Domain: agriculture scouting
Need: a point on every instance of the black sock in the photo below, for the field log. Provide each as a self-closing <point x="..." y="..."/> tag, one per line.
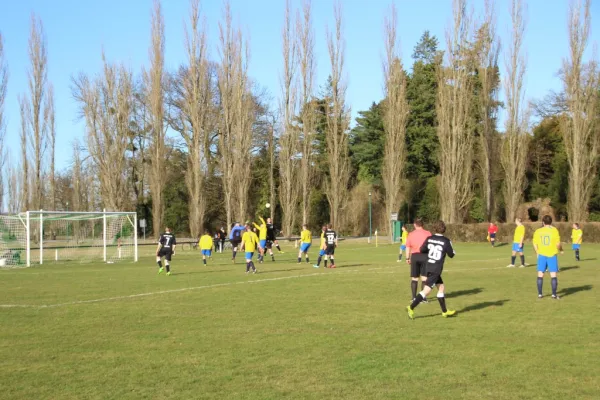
<point x="523" y="260"/>
<point x="399" y="256"/>
<point x="159" y="264"/>
<point x="554" y="283"/>
<point x="319" y="260"/>
<point x="299" y="260"/>
<point x="272" y="257"/>
<point x="413" y="287"/>
<point x="442" y="301"/>
<point x="247" y="266"/>
<point x="332" y="261"/>
<point x="512" y="260"/>
<point x="234" y="254"/>
<point x="278" y="248"/>
<point x="416" y="301"/>
<point x="325" y="263"/>
<point x="307" y="260"/>
<point x="577" y="255"/>
<point x="204" y="261"/>
<point x="252" y="265"/>
<point x="168" y="266"/>
<point x="540" y="284"/>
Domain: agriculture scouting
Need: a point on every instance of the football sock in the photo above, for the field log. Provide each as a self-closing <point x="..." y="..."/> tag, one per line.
<point x="204" y="261"/>
<point x="416" y="301"/>
<point x="272" y="257"/>
<point x="159" y="264"/>
<point x="319" y="260"/>
<point x="307" y="260"/>
<point x="247" y="266"/>
<point x="577" y="255"/>
<point x="442" y="300"/>
<point x="540" y="284"/>
<point x="512" y="260"/>
<point x="325" y="263"/>
<point x="554" y="283"/>
<point x="413" y="287"/>
<point x="168" y="266"/>
<point x="234" y="254"/>
<point x="299" y="260"/>
<point x="252" y="265"/>
<point x="399" y="256"/>
<point x="278" y="248"/>
<point x="522" y="260"/>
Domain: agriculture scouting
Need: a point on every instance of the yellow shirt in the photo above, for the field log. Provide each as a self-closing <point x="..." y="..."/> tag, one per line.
<point x="547" y="240"/>
<point x="577" y="236"/>
<point x="519" y="234"/>
<point x="404" y="236"/>
<point x="250" y="241"/>
<point x="305" y="236"/>
<point x="206" y="242"/>
<point x="322" y="239"/>
<point x="262" y="229"/>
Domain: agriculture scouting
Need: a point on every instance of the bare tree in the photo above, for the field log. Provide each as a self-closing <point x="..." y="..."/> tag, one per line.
<point x="338" y="122"/>
<point x="580" y="124"/>
<point x="487" y="49"/>
<point x="289" y="139"/>
<point x="236" y="117"/>
<point x="106" y="105"/>
<point x="77" y="200"/>
<point x="14" y="185"/>
<point x="3" y="153"/>
<point x="306" y="48"/>
<point x="24" y="185"/>
<point x="155" y="99"/>
<point x="192" y="104"/>
<point x="514" y="152"/>
<point x="49" y="116"/>
<point x="37" y="117"/>
<point x="455" y="128"/>
<point x="395" y="115"/>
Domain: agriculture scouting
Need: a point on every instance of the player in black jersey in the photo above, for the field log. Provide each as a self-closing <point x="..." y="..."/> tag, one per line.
<point x="271" y="238"/>
<point x="437" y="247"/>
<point x="331" y="242"/>
<point x="166" y="249"/>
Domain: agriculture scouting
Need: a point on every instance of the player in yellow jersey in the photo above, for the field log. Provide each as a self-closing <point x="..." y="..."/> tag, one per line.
<point x="262" y="237"/>
<point x="517" y="246"/>
<point x="322" y="247"/>
<point x="249" y="245"/>
<point x="305" y="243"/>
<point x="546" y="242"/>
<point x="206" y="246"/>
<point x="403" y="242"/>
<point x="577" y="238"/>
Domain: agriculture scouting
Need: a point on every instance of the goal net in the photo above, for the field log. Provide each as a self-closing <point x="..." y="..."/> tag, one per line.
<point x="38" y="237"/>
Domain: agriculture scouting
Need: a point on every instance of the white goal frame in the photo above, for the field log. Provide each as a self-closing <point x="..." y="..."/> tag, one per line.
<point x="34" y="220"/>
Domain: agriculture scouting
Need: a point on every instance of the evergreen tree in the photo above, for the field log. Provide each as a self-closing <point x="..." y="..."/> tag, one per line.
<point x="366" y="145"/>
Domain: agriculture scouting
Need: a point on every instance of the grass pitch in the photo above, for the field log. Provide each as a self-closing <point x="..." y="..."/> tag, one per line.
<point x="120" y="331"/>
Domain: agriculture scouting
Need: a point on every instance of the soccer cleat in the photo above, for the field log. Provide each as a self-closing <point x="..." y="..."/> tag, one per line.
<point x="160" y="270"/>
<point x="398" y="260"/>
<point x="510" y="266"/>
<point x="522" y="266"/>
<point x="448" y="313"/>
<point x="425" y="300"/>
<point x="169" y="273"/>
<point x="555" y="297"/>
<point x="315" y="266"/>
<point x="255" y="271"/>
<point x="540" y="296"/>
<point x="411" y="312"/>
<point x="332" y="266"/>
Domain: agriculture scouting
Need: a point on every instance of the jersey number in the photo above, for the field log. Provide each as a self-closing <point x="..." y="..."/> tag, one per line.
<point x="330" y="238"/>
<point x="168" y="241"/>
<point x="435" y="252"/>
<point x="546" y="240"/>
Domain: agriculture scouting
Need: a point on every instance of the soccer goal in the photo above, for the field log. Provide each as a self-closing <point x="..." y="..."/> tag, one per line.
<point x="38" y="237"/>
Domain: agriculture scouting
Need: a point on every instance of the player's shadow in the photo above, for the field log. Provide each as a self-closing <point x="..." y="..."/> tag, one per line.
<point x="575" y="289"/>
<point x="482" y="305"/>
<point x="588" y="259"/>
<point x="501" y="244"/>
<point x="270" y="271"/>
<point x="568" y="268"/>
<point x="467" y="292"/>
<point x="349" y="266"/>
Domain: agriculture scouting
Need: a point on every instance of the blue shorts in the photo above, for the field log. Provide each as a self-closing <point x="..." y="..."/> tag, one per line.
<point x="549" y="264"/>
<point x="263" y="244"/>
<point x="576" y="246"/>
<point x="402" y="247"/>
<point x="517" y="247"/>
<point x="249" y="255"/>
<point x="304" y="247"/>
<point x="492" y="236"/>
<point x="321" y="253"/>
<point x="206" y="252"/>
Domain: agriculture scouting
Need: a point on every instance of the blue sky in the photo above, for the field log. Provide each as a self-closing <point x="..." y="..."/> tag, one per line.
<point x="78" y="30"/>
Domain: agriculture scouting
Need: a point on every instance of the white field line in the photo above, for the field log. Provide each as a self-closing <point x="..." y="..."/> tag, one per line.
<point x="133" y="296"/>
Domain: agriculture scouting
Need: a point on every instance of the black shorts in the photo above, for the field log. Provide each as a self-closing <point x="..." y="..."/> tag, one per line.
<point x="269" y="244"/>
<point x="492" y="236"/>
<point x="166" y="253"/>
<point x="330" y="250"/>
<point x="235" y="243"/>
<point x="434" y="278"/>
<point x="418" y="265"/>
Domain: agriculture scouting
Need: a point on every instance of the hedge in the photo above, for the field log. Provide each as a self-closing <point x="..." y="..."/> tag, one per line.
<point x="478" y="232"/>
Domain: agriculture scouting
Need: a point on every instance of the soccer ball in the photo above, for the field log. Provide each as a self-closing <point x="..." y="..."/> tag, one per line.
<point x="268" y="205"/>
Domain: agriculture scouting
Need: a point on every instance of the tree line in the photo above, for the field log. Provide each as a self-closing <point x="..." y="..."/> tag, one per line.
<point x="203" y="146"/>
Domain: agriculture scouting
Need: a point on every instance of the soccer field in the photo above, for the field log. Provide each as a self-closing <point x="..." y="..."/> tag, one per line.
<point x="120" y="331"/>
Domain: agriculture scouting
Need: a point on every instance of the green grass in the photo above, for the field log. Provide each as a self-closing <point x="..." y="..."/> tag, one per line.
<point x="119" y="331"/>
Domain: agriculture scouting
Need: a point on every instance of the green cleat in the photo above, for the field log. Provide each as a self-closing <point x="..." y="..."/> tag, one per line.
<point x="169" y="273"/>
<point x="160" y="270"/>
<point x="411" y="312"/>
<point x="448" y="313"/>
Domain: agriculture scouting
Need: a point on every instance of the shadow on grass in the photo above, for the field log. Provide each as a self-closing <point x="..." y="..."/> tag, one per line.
<point x="349" y="266"/>
<point x="197" y="272"/>
<point x="588" y="259"/>
<point x="575" y="289"/>
<point x="482" y="305"/>
<point x="468" y="292"/>
<point x="269" y="271"/>
<point x="568" y="268"/>
<point x="501" y="244"/>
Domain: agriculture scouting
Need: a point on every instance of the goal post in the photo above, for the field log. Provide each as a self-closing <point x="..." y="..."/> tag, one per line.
<point x="40" y="237"/>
